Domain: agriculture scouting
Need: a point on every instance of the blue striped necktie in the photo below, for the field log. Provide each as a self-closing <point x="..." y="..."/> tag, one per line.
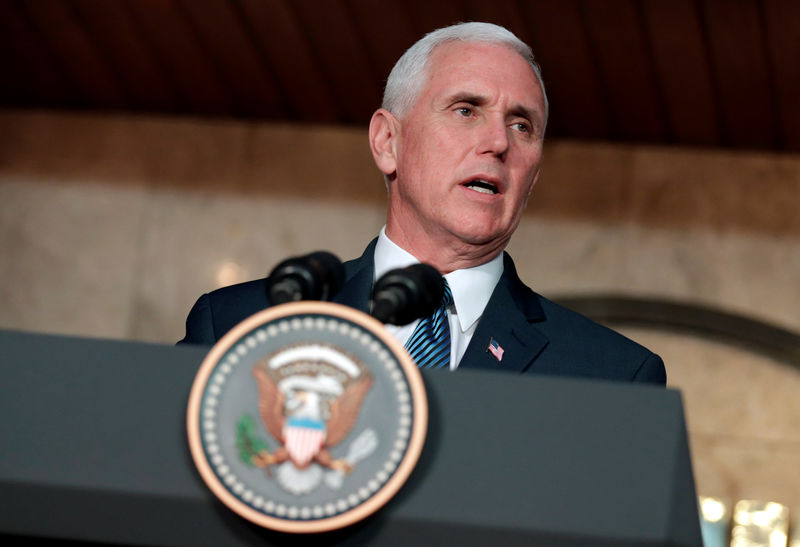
<point x="429" y="344"/>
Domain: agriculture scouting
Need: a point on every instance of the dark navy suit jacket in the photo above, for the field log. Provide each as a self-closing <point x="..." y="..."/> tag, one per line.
<point x="537" y="335"/>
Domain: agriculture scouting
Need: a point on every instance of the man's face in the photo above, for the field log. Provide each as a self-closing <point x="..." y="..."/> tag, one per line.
<point x="468" y="152"/>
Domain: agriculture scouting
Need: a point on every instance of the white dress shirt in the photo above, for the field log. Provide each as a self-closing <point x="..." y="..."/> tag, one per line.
<point x="471" y="288"/>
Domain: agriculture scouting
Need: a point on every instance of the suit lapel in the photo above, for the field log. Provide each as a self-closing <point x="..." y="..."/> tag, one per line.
<point x="507" y="320"/>
<point x="359" y="278"/>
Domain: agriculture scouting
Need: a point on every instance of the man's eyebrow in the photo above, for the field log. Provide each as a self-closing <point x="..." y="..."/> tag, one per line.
<point x="525" y="112"/>
<point x="465" y="97"/>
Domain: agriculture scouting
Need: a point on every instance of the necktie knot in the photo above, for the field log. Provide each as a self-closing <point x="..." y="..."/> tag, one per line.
<point x="447" y="295"/>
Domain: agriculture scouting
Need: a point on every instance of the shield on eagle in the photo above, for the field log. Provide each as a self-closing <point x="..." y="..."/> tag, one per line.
<point x="303" y="439"/>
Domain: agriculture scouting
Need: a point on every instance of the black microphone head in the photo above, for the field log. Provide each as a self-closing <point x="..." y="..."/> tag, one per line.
<point x="316" y="276"/>
<point x="400" y="296"/>
<point x="331" y="272"/>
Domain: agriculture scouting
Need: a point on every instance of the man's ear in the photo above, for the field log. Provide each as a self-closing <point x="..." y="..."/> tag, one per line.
<point x="383" y="139"/>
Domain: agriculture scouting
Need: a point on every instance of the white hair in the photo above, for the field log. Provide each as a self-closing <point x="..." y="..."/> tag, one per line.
<point x="409" y="75"/>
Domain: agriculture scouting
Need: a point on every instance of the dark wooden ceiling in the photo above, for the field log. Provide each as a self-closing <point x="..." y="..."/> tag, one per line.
<point x="689" y="72"/>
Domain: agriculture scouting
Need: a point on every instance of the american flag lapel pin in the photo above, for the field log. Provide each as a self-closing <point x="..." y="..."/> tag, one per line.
<point x="495" y="349"/>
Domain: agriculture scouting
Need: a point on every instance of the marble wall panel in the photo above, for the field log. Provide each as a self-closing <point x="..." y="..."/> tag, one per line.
<point x="124" y="150"/>
<point x="754" y="274"/>
<point x="198" y="242"/>
<point x="69" y="256"/>
<point x="670" y="187"/>
<point x="321" y="163"/>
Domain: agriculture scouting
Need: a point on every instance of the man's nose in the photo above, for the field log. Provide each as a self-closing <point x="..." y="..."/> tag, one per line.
<point x="494" y="138"/>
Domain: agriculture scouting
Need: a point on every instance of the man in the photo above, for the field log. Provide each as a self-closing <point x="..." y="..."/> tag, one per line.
<point x="459" y="141"/>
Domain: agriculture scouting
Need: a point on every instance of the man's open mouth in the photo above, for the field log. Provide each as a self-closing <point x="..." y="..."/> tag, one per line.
<point x="482" y="186"/>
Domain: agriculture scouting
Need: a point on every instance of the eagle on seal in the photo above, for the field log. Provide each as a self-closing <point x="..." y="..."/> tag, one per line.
<point x="310" y="396"/>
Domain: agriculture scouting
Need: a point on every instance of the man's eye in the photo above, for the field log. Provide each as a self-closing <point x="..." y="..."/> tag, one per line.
<point x="464" y="111"/>
<point x="521" y="127"/>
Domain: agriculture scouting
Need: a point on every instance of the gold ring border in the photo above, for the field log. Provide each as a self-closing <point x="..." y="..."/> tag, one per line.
<point x="387" y="491"/>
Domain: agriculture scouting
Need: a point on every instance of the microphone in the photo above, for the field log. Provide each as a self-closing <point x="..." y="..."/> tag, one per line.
<point x="315" y="276"/>
<point x="405" y="294"/>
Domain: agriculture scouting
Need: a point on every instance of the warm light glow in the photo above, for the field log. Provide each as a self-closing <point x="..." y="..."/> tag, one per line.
<point x="778" y="538"/>
<point x="758" y="523"/>
<point x="713" y="509"/>
<point x="229" y="273"/>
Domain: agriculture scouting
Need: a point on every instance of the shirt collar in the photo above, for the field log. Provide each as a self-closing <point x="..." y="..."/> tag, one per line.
<point x="471" y="287"/>
<point x="389" y="256"/>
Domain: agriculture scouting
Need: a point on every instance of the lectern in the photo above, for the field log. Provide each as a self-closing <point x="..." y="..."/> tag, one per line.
<point x="94" y="449"/>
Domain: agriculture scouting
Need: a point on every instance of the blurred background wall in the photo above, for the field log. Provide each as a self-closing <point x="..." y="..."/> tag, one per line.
<point x="153" y="150"/>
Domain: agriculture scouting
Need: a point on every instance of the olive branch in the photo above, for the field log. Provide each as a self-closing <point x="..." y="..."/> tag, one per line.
<point x="247" y="442"/>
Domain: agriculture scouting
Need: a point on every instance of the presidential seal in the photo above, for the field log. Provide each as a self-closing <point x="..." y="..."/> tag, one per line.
<point x="306" y="417"/>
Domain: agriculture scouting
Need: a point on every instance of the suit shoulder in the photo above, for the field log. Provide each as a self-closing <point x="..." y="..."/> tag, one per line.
<point x="571" y="324"/>
<point x="230" y="305"/>
<point x="247" y="289"/>
<point x="602" y="350"/>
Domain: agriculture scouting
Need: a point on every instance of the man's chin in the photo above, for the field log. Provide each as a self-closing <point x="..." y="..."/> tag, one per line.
<point x="480" y="237"/>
